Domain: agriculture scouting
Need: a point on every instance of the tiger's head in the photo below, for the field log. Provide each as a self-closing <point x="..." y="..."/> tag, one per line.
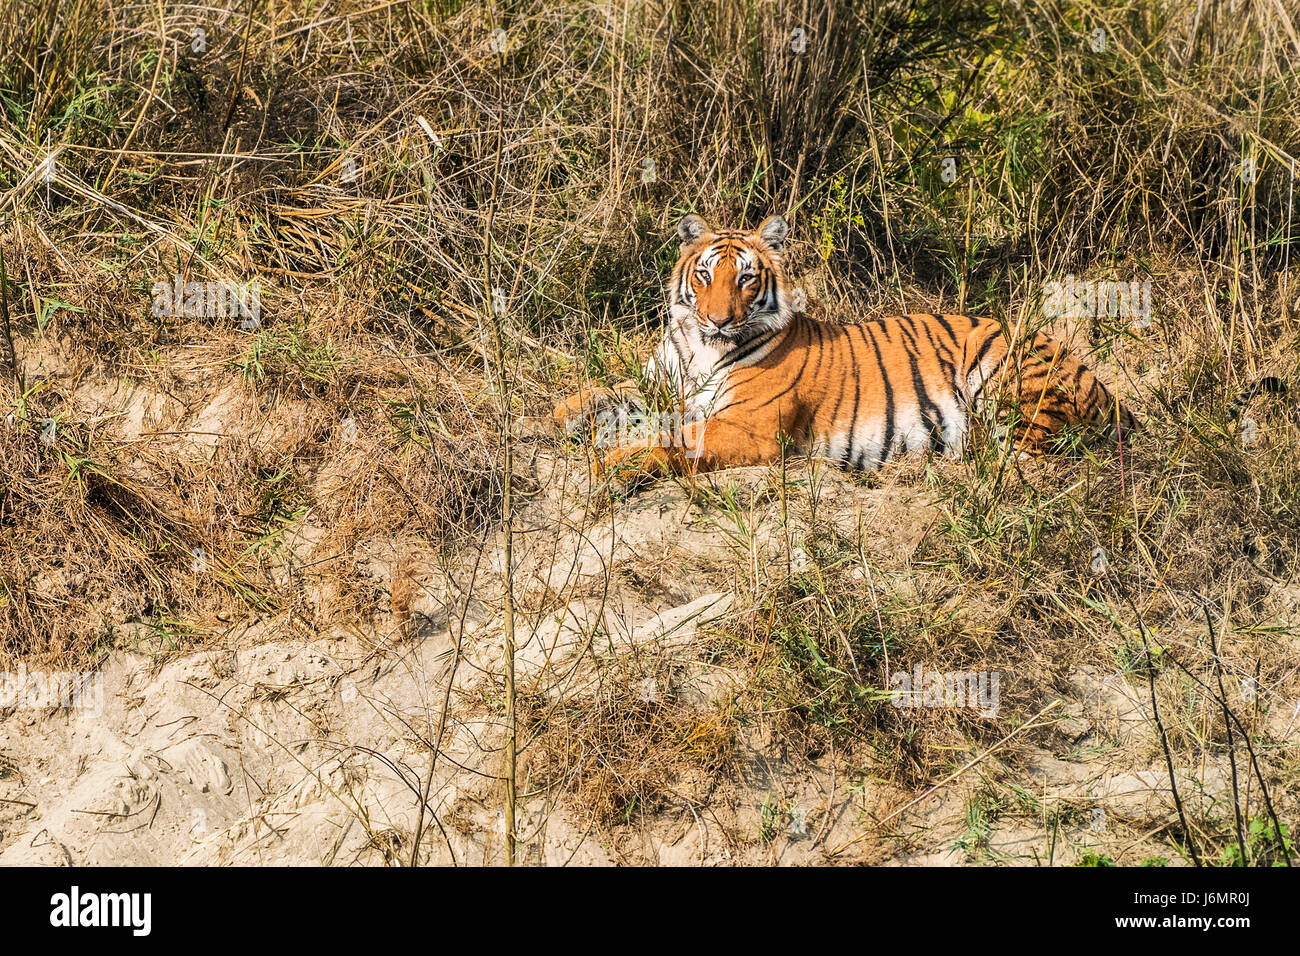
<point x="731" y="283"/>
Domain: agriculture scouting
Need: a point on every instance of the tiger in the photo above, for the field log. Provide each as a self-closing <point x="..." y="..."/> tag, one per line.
<point x="754" y="379"/>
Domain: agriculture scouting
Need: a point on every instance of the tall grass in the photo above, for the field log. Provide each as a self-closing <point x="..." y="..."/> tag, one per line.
<point x="441" y="197"/>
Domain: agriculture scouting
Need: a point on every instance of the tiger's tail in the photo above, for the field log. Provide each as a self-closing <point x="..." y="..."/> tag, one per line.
<point x="1269" y="385"/>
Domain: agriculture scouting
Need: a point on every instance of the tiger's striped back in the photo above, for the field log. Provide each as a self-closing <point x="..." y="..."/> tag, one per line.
<point x="862" y="394"/>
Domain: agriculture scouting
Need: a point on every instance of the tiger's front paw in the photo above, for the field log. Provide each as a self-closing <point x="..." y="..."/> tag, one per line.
<point x="568" y="413"/>
<point x="582" y="405"/>
<point x="632" y="466"/>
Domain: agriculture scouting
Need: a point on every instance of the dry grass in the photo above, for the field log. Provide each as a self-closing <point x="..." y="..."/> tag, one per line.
<point x="631" y="751"/>
<point x="396" y="177"/>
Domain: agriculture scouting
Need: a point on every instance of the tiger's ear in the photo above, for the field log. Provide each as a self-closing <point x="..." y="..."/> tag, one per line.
<point x="691" y="228"/>
<point x="773" y="230"/>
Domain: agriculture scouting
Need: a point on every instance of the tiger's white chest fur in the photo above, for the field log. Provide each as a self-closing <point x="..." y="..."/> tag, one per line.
<point x="693" y="370"/>
<point x="697" y="370"/>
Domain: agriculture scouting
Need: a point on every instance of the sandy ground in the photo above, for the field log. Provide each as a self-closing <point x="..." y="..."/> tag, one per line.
<point x="282" y="747"/>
